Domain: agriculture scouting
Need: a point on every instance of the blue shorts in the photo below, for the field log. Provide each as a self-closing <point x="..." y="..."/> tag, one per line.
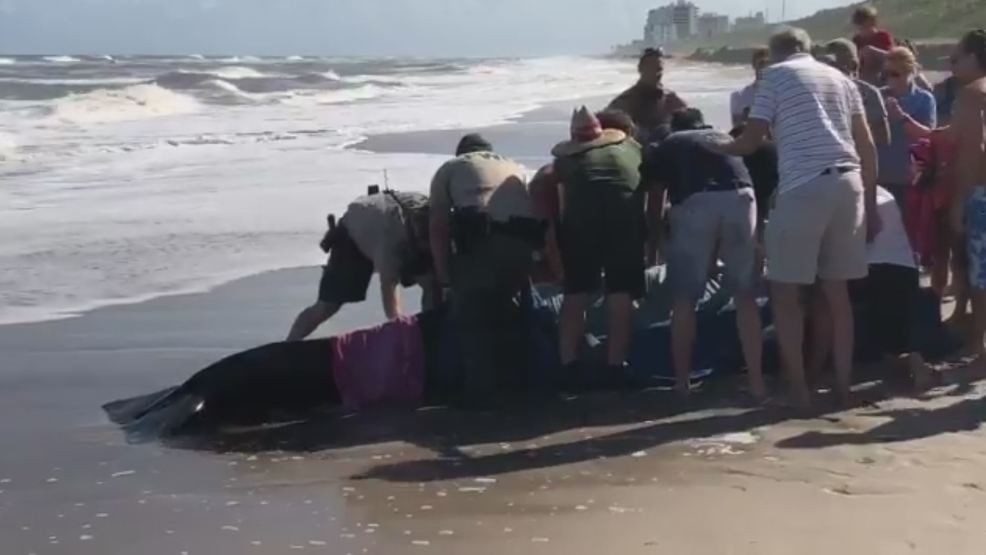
<point x="975" y="225"/>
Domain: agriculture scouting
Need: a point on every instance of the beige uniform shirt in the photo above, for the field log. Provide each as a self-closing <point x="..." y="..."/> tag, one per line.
<point x="494" y="184"/>
<point x="376" y="225"/>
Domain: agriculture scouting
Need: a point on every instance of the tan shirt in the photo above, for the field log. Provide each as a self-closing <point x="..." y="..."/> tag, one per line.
<point x="495" y="184"/>
<point x="376" y="225"/>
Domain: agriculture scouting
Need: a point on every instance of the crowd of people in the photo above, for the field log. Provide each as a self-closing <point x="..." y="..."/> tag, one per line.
<point x="846" y="174"/>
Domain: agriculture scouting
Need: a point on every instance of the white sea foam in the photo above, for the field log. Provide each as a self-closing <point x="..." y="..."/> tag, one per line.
<point x="62" y="59"/>
<point x="228" y="87"/>
<point x="132" y="103"/>
<point x="372" y="79"/>
<point x="8" y="146"/>
<point x="238" y="72"/>
<point x="7" y="61"/>
<point x="366" y="92"/>
<point x="240" y="59"/>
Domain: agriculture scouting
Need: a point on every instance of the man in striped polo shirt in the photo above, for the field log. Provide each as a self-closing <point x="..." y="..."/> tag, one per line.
<point x="826" y="202"/>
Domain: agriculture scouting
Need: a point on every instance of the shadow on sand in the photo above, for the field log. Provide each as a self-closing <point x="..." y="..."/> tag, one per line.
<point x="657" y="419"/>
<point x="967" y="415"/>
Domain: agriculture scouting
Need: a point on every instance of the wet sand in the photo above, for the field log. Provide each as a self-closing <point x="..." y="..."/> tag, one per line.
<point x="528" y="139"/>
<point x="633" y="474"/>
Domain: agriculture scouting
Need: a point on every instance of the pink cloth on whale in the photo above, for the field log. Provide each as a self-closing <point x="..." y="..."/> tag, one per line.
<point x="384" y="365"/>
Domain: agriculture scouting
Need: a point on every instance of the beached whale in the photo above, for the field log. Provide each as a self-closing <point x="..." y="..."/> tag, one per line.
<point x="413" y="362"/>
<point x="289" y="380"/>
<point x="248" y="387"/>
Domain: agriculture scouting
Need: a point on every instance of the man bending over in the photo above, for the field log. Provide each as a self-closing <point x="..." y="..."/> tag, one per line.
<point x="384" y="233"/>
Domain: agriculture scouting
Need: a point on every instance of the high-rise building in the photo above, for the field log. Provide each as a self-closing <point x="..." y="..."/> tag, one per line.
<point x="753" y="22"/>
<point x="685" y="15"/>
<point x="660" y="27"/>
<point x="681" y="20"/>
<point x="712" y="24"/>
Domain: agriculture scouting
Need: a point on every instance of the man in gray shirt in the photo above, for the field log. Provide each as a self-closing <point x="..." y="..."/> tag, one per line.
<point x="843" y="55"/>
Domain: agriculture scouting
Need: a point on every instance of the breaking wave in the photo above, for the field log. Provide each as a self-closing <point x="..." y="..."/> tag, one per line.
<point x="62" y="59"/>
<point x="85" y="97"/>
<point x="365" y="92"/>
<point x="131" y="103"/>
<point x="239" y="72"/>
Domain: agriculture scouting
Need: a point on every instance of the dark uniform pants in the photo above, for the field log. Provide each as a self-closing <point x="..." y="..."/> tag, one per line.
<point x="486" y="286"/>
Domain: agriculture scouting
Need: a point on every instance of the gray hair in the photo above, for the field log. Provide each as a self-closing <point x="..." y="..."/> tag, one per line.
<point x="789" y="41"/>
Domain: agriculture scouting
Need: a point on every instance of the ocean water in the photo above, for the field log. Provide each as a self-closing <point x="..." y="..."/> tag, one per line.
<point x="123" y="179"/>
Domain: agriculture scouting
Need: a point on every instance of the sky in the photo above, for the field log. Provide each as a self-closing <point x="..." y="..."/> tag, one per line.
<point x="446" y="28"/>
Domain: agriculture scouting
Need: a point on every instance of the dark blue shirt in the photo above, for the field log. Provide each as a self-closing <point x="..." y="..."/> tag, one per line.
<point x="686" y="166"/>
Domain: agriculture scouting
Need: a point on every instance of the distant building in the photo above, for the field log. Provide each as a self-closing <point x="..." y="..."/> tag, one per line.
<point x="712" y="24"/>
<point x="682" y="20"/>
<point x="685" y="16"/>
<point x="750" y="23"/>
<point x="660" y="27"/>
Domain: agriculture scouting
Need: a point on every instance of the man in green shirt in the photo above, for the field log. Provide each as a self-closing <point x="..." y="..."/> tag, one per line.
<point x="601" y="232"/>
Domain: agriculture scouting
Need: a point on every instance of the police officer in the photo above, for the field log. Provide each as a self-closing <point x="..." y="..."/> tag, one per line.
<point x="384" y="233"/>
<point x="483" y="236"/>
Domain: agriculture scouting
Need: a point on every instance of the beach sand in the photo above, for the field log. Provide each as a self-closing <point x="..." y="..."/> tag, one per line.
<point x="609" y="473"/>
<point x="631" y="474"/>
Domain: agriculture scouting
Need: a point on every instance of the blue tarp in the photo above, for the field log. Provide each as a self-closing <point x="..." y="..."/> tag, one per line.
<point x="717" y="348"/>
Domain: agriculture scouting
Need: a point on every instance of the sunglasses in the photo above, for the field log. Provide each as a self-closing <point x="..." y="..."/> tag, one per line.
<point x="895" y="74"/>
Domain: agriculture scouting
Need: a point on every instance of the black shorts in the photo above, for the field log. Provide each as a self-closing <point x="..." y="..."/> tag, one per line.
<point x="886" y="306"/>
<point x="610" y="245"/>
<point x="347" y="275"/>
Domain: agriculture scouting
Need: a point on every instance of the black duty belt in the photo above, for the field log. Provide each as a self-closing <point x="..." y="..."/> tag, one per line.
<point x="840" y="170"/>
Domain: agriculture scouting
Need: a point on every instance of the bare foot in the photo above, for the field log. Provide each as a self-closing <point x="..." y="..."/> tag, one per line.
<point x="921" y="373"/>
